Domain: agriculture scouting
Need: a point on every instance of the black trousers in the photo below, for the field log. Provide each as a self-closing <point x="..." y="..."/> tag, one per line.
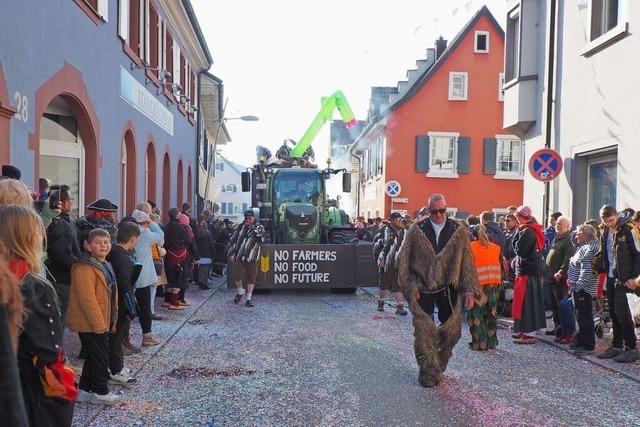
<point x="143" y="296"/>
<point x="445" y="300"/>
<point x="584" y="313"/>
<point x="62" y="290"/>
<point x="116" y="339"/>
<point x="95" y="371"/>
<point x="624" y="332"/>
<point x="556" y="292"/>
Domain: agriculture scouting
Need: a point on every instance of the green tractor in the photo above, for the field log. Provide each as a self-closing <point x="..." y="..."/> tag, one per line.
<point x="308" y="241"/>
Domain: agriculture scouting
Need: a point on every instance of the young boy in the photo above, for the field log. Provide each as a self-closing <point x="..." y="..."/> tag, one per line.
<point x="93" y="313"/>
<point x="124" y="266"/>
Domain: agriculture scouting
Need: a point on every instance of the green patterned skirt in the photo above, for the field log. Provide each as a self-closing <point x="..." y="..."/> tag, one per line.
<point x="482" y="319"/>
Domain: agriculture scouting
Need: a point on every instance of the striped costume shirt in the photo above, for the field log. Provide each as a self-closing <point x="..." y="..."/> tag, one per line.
<point x="580" y="272"/>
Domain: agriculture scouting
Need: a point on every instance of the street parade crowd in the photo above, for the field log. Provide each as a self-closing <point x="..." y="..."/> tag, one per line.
<point x="95" y="275"/>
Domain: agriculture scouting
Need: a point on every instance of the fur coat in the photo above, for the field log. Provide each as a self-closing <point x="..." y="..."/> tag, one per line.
<point x="421" y="269"/>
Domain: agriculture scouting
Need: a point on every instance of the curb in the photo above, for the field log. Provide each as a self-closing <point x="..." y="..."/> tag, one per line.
<point x="591" y="359"/>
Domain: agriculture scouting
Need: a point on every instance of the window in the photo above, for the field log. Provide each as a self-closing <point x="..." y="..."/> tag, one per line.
<point x="607" y="23"/>
<point x="223" y="208"/>
<point x="602" y="183"/>
<point x="458" y="84"/>
<point x="231" y="188"/>
<point x="223" y="188"/>
<point x="481" y="44"/>
<point x="500" y="87"/>
<point x="605" y="16"/>
<point x="95" y="9"/>
<point x="220" y="167"/>
<point x="442" y="156"/>
<point x="245" y="207"/>
<point x="509" y="157"/>
<point x="512" y="51"/>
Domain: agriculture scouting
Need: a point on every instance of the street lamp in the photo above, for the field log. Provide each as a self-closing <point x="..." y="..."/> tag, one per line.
<point x="247" y="118"/>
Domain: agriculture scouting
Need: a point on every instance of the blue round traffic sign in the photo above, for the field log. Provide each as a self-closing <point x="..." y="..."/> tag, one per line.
<point x="545" y="165"/>
<point x="392" y="188"/>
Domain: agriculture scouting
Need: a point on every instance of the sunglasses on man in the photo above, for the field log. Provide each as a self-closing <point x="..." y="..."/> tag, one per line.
<point x="438" y="211"/>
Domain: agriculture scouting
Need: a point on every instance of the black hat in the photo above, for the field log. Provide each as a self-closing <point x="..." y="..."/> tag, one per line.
<point x="11" y="171"/>
<point x="556" y="215"/>
<point x="103" y="205"/>
<point x="249" y="212"/>
<point x="395" y="215"/>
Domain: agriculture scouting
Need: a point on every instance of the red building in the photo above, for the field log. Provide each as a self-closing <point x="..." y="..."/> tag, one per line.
<point x="442" y="131"/>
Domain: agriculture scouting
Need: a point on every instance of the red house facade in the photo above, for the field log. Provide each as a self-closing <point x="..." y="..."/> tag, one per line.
<point x="442" y="132"/>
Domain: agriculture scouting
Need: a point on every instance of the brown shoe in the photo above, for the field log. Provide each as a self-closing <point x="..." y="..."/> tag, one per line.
<point x="184" y="303"/>
<point x="177" y="307"/>
<point x="129" y="346"/>
<point x="149" y="341"/>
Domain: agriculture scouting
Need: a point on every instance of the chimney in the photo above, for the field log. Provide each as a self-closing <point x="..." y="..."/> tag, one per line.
<point x="441" y="46"/>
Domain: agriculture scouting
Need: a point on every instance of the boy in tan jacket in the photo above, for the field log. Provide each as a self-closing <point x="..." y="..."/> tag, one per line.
<point x="93" y="313"/>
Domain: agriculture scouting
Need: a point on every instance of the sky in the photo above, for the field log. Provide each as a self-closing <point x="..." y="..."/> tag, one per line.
<point x="278" y="58"/>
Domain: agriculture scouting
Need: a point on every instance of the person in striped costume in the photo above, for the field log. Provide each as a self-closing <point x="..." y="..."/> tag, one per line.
<point x="482" y="316"/>
<point x="583" y="283"/>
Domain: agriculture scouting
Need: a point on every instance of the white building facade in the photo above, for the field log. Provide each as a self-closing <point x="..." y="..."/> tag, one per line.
<point x="583" y="51"/>
<point x="232" y="202"/>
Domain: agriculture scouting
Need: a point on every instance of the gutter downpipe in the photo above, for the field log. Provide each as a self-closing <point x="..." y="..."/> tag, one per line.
<point x="353" y="155"/>
<point x="549" y="102"/>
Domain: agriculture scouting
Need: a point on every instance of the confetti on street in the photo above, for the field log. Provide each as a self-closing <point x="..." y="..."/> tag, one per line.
<point x="290" y="361"/>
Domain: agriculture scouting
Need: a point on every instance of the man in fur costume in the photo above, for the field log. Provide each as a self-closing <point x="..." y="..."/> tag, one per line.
<point x="244" y="252"/>
<point x="437" y="269"/>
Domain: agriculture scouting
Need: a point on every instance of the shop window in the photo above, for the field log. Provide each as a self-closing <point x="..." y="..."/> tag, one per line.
<point x="601" y="188"/>
<point x="458" y="86"/>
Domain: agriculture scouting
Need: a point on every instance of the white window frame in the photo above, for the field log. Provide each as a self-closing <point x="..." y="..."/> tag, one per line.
<point x="613" y="34"/>
<point x="103" y="10"/>
<point x="514" y="15"/>
<point x="509" y="175"/>
<point x="475" y="41"/>
<point x="433" y="173"/>
<point x="451" y="212"/>
<point x="123" y="19"/>
<point x="454" y="74"/>
<point x="500" y="87"/>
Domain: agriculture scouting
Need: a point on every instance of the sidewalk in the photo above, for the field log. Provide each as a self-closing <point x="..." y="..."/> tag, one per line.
<point x="627" y="370"/>
<point x="163" y="330"/>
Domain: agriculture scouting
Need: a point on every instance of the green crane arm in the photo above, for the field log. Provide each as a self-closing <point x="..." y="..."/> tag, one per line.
<point x="329" y="104"/>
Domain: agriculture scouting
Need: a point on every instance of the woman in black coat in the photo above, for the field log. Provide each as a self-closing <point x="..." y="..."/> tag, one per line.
<point x="528" y="299"/>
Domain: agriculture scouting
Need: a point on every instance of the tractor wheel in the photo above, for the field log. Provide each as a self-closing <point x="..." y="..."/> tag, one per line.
<point x="343" y="290"/>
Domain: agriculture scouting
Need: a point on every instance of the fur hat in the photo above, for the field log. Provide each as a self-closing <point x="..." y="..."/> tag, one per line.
<point x="524" y="212"/>
<point x="11" y="171"/>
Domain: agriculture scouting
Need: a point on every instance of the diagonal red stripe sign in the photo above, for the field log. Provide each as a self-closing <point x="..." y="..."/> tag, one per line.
<point x="545" y="165"/>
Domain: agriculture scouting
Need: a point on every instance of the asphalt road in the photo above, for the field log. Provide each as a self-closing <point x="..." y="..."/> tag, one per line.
<point x="315" y="358"/>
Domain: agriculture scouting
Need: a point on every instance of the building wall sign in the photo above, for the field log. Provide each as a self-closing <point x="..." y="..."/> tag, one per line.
<point x="144" y="101"/>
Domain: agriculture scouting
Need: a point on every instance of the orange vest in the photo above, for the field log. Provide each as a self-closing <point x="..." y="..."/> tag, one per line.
<point x="487" y="261"/>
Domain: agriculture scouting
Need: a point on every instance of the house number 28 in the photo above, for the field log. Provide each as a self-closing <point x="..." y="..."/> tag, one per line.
<point x="22" y="105"/>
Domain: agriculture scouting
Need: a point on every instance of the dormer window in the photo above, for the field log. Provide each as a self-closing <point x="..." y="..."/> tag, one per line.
<point x="481" y="44"/>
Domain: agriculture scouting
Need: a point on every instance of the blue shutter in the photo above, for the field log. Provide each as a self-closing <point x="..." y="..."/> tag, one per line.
<point x="490" y="155"/>
<point x="223" y="209"/>
<point x="464" y="154"/>
<point x="245" y="207"/>
<point x="422" y="153"/>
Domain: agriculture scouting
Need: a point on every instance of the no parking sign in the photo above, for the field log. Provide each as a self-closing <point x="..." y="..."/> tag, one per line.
<point x="392" y="188"/>
<point x="545" y="165"/>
